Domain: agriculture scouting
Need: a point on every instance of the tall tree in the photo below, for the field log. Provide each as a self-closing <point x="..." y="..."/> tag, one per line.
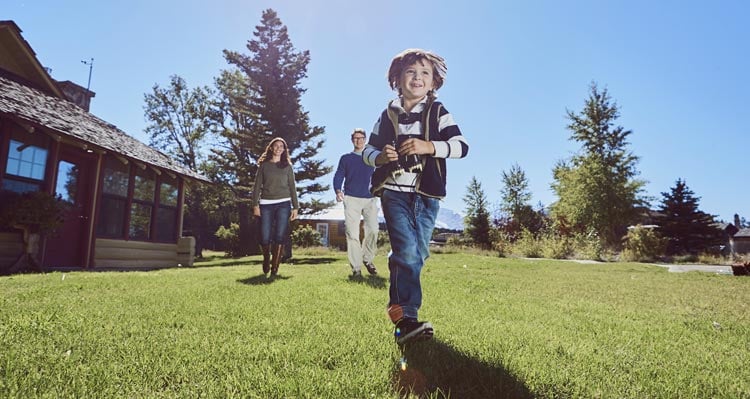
<point x="477" y="220"/>
<point x="687" y="229"/>
<point x="597" y="188"/>
<point x="514" y="204"/>
<point x="260" y="98"/>
<point x="179" y="122"/>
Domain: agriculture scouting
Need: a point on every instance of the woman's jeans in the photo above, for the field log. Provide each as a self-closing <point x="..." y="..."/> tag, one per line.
<point x="410" y="218"/>
<point x="274" y="221"/>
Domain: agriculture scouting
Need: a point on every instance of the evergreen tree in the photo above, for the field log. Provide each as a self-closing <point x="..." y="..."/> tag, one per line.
<point x="259" y="99"/>
<point x="597" y="188"/>
<point x="687" y="229"/>
<point x="477" y="220"/>
<point x="517" y="213"/>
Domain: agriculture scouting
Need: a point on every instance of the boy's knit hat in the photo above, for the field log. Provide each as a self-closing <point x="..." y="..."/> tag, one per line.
<point x="408" y="57"/>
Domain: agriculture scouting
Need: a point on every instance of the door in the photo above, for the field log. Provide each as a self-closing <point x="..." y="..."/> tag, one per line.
<point x="67" y="246"/>
<point x="323" y="230"/>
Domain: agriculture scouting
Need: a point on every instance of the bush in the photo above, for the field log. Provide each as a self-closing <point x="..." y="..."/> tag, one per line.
<point x="306" y="236"/>
<point x="230" y="238"/>
<point x="642" y="245"/>
<point x="383" y="239"/>
<point x="588" y="246"/>
<point x="36" y="211"/>
<point x="555" y="246"/>
<point x="527" y="245"/>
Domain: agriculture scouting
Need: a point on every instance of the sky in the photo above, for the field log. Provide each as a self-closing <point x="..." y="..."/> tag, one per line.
<point x="678" y="70"/>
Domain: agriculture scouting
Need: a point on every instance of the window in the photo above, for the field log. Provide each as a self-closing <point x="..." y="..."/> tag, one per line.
<point x="166" y="214"/>
<point x="137" y="204"/>
<point x="25" y="168"/>
<point x="67" y="181"/>
<point x="143" y="202"/>
<point x="115" y="179"/>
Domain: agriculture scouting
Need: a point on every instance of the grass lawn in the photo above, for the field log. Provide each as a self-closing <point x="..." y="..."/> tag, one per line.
<point x="510" y="328"/>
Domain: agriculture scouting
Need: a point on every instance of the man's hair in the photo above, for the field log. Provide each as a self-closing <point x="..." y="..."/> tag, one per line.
<point x="359" y="130"/>
<point x="409" y="57"/>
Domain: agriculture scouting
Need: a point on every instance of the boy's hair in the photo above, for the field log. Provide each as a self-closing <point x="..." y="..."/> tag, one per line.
<point x="409" y="57"/>
<point x="360" y="131"/>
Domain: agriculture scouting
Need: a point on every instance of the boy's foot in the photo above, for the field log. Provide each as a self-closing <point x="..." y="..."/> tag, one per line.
<point x="371" y="268"/>
<point x="411" y="330"/>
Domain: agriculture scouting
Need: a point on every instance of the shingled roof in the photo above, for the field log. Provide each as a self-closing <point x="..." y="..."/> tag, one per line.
<point x="67" y="119"/>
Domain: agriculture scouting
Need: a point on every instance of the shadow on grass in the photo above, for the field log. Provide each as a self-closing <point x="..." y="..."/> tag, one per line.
<point x="262" y="279"/>
<point x="435" y="369"/>
<point x="310" y="261"/>
<point x="376" y="282"/>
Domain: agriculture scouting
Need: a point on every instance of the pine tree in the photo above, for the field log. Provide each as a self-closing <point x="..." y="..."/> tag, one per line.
<point x="687" y="229"/>
<point x="259" y="99"/>
<point x="597" y="188"/>
<point x="477" y="220"/>
<point x="518" y="214"/>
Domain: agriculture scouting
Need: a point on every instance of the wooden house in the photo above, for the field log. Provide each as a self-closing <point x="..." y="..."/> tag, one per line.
<point x="330" y="225"/>
<point x="740" y="242"/>
<point x="126" y="199"/>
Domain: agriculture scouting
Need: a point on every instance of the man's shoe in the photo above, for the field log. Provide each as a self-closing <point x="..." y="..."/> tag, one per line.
<point x="357" y="274"/>
<point x="371" y="268"/>
<point x="410" y="330"/>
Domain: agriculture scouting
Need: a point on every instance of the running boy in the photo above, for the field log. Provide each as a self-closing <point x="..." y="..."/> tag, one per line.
<point x="408" y="146"/>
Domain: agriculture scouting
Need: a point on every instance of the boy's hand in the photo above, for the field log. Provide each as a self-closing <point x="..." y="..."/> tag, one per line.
<point x="416" y="146"/>
<point x="388" y="154"/>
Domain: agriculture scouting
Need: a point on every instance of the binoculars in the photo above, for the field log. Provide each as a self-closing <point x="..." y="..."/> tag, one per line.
<point x="406" y="163"/>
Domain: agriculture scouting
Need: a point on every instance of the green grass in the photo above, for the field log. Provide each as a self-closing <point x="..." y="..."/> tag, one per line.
<point x="504" y="328"/>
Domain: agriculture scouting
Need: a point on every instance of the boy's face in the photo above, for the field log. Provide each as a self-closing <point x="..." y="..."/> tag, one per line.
<point x="416" y="80"/>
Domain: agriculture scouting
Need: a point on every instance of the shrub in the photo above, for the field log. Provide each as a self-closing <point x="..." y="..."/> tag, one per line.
<point x="383" y="239"/>
<point x="527" y="245"/>
<point x="36" y="211"/>
<point x="588" y="246"/>
<point x="305" y="237"/>
<point x="643" y="245"/>
<point x="230" y="238"/>
<point x="555" y="246"/>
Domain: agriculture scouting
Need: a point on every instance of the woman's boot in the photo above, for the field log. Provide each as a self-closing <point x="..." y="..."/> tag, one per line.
<point x="278" y="250"/>
<point x="266" y="258"/>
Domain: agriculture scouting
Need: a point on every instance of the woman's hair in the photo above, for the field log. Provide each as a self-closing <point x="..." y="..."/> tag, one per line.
<point x="268" y="153"/>
<point x="409" y="57"/>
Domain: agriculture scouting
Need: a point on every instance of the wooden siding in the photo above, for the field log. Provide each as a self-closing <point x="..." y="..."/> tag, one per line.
<point x="139" y="254"/>
<point x="11" y="246"/>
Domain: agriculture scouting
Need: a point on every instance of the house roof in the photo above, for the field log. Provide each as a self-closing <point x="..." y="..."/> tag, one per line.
<point x="20" y="59"/>
<point x="743" y="233"/>
<point x="64" y="117"/>
<point x="335" y="213"/>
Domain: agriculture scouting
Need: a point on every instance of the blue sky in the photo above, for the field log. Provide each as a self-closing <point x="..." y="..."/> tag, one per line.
<point x="677" y="69"/>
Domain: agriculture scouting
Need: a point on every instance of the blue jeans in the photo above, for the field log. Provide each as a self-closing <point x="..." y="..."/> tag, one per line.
<point x="274" y="221"/>
<point x="410" y="218"/>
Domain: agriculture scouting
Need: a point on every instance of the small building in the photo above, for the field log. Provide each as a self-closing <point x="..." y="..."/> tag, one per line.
<point x="126" y="198"/>
<point x="330" y="224"/>
<point x="740" y="242"/>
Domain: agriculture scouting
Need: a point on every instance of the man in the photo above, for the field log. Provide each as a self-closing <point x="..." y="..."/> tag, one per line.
<point x="358" y="202"/>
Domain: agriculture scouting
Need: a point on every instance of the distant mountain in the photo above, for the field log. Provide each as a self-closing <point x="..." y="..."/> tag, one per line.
<point x="448" y="219"/>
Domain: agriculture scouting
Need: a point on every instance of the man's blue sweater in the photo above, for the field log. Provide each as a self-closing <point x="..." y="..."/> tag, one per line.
<point x="354" y="174"/>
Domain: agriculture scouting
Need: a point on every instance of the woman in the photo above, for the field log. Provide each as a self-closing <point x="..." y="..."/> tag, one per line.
<point x="274" y="201"/>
